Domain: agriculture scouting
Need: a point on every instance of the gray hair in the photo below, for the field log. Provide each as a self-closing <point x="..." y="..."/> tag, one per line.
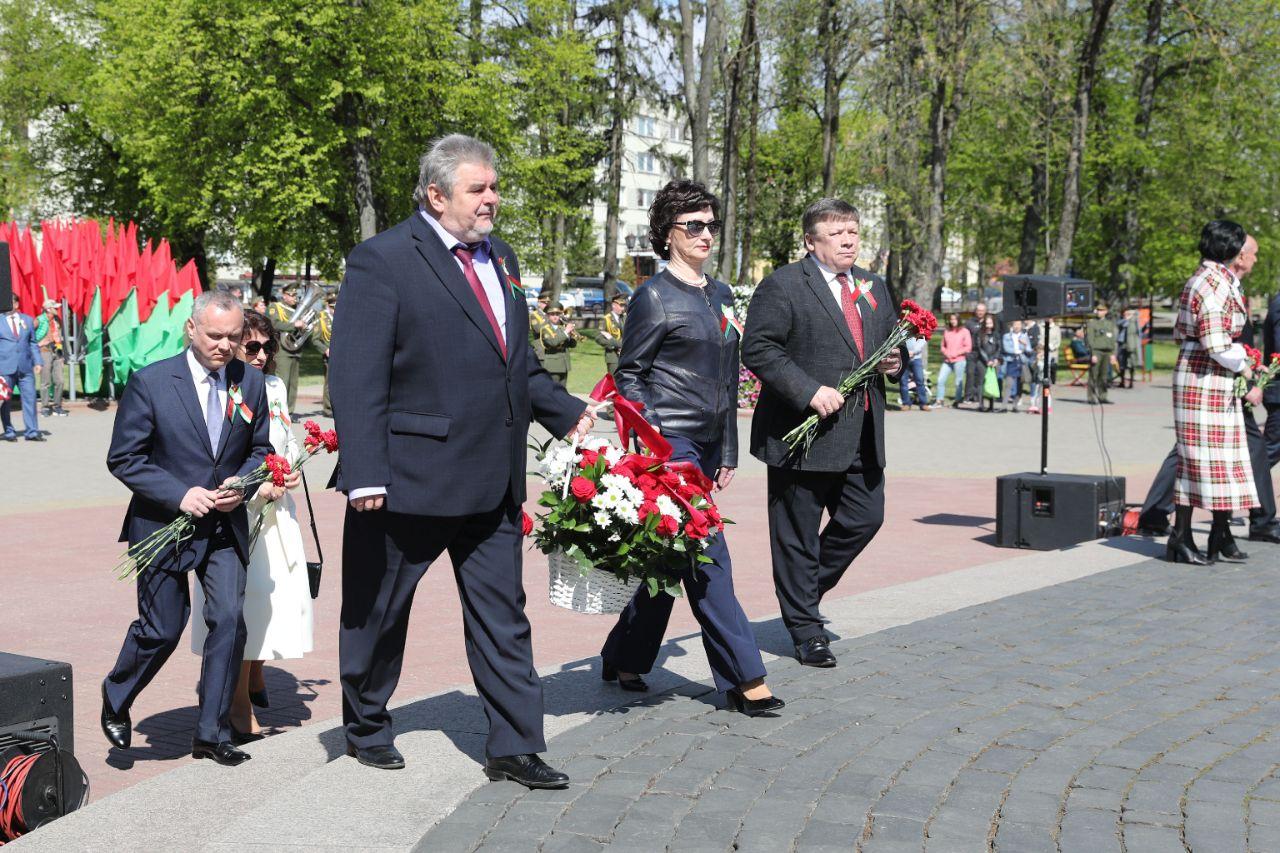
<point x="440" y="164"/>
<point x="219" y="299"/>
<point x="826" y="210"/>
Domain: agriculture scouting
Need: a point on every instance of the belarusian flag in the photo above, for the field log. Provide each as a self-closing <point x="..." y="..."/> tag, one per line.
<point x="93" y="344"/>
<point x="122" y="335"/>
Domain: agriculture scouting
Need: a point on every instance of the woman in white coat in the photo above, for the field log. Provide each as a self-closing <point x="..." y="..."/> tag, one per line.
<point x="277" y="597"/>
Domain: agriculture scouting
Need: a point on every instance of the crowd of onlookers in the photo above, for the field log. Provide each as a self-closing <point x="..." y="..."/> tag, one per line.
<point x="994" y="365"/>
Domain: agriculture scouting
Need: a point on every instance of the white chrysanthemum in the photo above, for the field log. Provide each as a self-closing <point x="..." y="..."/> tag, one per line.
<point x="601" y="518"/>
<point x="666" y="506"/>
<point x="595" y="442"/>
<point x="599" y="502"/>
<point x="613" y="454"/>
<point x="627" y="514"/>
<point x="615" y="537"/>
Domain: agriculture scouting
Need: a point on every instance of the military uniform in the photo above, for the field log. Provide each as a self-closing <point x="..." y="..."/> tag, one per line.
<point x="537" y="322"/>
<point x="320" y="338"/>
<point x="1100" y="334"/>
<point x="556" y="343"/>
<point x="610" y="339"/>
<point x="287" y="360"/>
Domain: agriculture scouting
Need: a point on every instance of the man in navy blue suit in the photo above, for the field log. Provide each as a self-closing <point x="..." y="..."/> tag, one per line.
<point x="175" y="444"/>
<point x="20" y="362"/>
<point x="433" y="384"/>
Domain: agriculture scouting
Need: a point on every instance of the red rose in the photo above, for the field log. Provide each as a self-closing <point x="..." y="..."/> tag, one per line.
<point x="588" y="459"/>
<point x="583" y="489"/>
<point x="648" y="508"/>
<point x="668" y="527"/>
<point x="713" y="515"/>
<point x="526" y="523"/>
<point x="696" y="530"/>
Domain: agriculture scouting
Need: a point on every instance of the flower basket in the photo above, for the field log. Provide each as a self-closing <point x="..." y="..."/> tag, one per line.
<point x="586" y="590"/>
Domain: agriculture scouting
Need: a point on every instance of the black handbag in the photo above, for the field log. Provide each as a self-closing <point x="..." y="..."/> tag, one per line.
<point x="316" y="569"/>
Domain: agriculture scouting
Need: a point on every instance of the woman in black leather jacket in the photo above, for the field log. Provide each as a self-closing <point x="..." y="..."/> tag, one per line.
<point x="680" y="359"/>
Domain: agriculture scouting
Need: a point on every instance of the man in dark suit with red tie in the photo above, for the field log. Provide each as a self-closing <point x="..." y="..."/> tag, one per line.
<point x="809" y="324"/>
<point x="433" y="384"/>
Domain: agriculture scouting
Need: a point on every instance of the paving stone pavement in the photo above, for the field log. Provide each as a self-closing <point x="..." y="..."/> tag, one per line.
<point x="1134" y="710"/>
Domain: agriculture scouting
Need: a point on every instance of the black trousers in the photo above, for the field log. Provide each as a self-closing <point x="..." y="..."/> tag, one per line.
<point x="730" y="643"/>
<point x="808" y="558"/>
<point x="164" y="605"/>
<point x="384" y="555"/>
<point x="974" y="372"/>
<point x="1271" y="432"/>
<point x="1159" y="502"/>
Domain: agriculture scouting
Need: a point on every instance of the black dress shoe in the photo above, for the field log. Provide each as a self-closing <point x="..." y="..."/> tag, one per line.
<point x="259" y="698"/>
<point x="635" y="683"/>
<point x="1265" y="534"/>
<point x="754" y="707"/>
<point x="9" y="436"/>
<point x="223" y="752"/>
<point x="529" y="770"/>
<point x="381" y="757"/>
<point x="116" y="726"/>
<point x="815" y="651"/>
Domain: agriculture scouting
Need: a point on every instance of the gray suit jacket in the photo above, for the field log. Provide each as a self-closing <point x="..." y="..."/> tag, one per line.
<point x="796" y="341"/>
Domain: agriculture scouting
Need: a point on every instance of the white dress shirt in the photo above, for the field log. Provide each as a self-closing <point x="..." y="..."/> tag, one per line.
<point x="485" y="267"/>
<point x="200" y="378"/>
<point x="830" y="275"/>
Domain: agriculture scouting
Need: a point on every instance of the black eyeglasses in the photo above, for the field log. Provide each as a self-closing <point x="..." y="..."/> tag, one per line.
<point x="252" y="348"/>
<point x="694" y="227"/>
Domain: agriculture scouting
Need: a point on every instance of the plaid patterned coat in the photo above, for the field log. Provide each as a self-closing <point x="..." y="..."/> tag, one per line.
<point x="1213" y="457"/>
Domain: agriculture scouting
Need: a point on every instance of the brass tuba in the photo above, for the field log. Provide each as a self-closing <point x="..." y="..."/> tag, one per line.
<point x="310" y="303"/>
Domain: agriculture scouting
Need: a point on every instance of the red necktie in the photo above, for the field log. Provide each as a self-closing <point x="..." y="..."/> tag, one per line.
<point x="469" y="270"/>
<point x="13" y="323"/>
<point x="849" y="305"/>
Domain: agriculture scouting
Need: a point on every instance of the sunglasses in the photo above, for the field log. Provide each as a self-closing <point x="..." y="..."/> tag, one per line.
<point x="694" y="227"/>
<point x="252" y="348"/>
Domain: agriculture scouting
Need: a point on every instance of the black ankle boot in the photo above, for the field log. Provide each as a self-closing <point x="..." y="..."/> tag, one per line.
<point x="1222" y="545"/>
<point x="1182" y="548"/>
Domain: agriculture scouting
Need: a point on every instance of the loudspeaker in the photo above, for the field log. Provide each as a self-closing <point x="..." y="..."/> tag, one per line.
<point x="1031" y="297"/>
<point x="35" y="696"/>
<point x="1049" y="511"/>
<point x="6" y="281"/>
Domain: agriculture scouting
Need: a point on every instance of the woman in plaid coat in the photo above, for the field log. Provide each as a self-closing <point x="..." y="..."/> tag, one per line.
<point x="1213" y="458"/>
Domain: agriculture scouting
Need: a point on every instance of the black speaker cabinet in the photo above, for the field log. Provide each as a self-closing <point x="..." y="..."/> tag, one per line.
<point x="6" y="283"/>
<point x="35" y="696"/>
<point x="1048" y="511"/>
<point x="1034" y="297"/>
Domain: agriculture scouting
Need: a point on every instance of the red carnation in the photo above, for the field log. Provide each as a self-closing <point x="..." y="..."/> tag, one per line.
<point x="526" y="523"/>
<point x="583" y="489"/>
<point x="713" y="515"/>
<point x="313" y="429"/>
<point x="330" y="439"/>
<point x="696" y="529"/>
<point x="311" y="443"/>
<point x="279" y="468"/>
<point x="588" y="459"/>
<point x="1255" y="356"/>
<point x="668" y="527"/>
<point x="648" y="508"/>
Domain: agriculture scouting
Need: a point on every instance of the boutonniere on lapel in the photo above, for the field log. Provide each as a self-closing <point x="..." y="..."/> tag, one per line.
<point x="236" y="403"/>
<point x="277" y="411"/>
<point x="864" y="286"/>
<point x="729" y="321"/>
<point x="513" y="284"/>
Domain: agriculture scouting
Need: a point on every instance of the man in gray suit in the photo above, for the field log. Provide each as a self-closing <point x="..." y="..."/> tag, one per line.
<point x="809" y="324"/>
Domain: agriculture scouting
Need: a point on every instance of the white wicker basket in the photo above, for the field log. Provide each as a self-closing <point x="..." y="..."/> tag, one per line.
<point x="592" y="592"/>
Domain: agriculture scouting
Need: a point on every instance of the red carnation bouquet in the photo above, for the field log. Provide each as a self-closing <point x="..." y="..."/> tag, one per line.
<point x="317" y="440"/>
<point x="1262" y="375"/>
<point x="914" y="322"/>
<point x="633" y="515"/>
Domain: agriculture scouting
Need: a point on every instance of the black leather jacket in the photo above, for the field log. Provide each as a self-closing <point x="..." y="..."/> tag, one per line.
<point x="677" y="359"/>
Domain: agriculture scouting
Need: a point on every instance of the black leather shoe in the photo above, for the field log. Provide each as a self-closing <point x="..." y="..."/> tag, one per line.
<point x="9" y="436"/>
<point x="635" y="683"/>
<point x="754" y="707"/>
<point x="223" y="752"/>
<point x="116" y="726"/>
<point x="529" y="770"/>
<point x="1266" y="534"/>
<point x="259" y="698"/>
<point x="381" y="757"/>
<point x="1222" y="546"/>
<point x="240" y="738"/>
<point x="815" y="651"/>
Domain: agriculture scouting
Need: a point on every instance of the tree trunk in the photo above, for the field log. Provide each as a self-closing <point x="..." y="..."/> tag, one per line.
<point x="699" y="71"/>
<point x="1060" y="257"/>
<point x="267" y="280"/>
<point x="554" y="280"/>
<point x="749" y="220"/>
<point x="617" y="129"/>
<point x="1033" y="216"/>
<point x="832" y="80"/>
<point x="729" y="166"/>
<point x="475" y="46"/>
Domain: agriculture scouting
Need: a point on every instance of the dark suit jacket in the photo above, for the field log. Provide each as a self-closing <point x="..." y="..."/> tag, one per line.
<point x="424" y="402"/>
<point x="1270" y="345"/>
<point x="160" y="449"/>
<point x="796" y="341"/>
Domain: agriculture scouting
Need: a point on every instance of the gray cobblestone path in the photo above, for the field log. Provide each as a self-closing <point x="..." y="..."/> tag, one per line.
<point x="1134" y="710"/>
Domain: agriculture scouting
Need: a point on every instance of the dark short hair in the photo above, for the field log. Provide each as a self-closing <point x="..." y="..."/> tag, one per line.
<point x="255" y="322"/>
<point x="677" y="197"/>
<point x="826" y="210"/>
<point x="1221" y="240"/>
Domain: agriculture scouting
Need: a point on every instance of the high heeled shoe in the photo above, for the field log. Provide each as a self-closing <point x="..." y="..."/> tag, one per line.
<point x="259" y="698"/>
<point x="240" y="738"/>
<point x="1222" y="546"/>
<point x="1183" y="550"/>
<point x="754" y="707"/>
<point x="633" y="684"/>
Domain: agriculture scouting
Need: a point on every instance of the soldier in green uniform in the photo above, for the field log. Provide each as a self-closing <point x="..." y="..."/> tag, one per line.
<point x="1100" y="334"/>
<point x="609" y="336"/>
<point x="320" y="340"/>
<point x="557" y="338"/>
<point x="537" y="322"/>
<point x="280" y="314"/>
